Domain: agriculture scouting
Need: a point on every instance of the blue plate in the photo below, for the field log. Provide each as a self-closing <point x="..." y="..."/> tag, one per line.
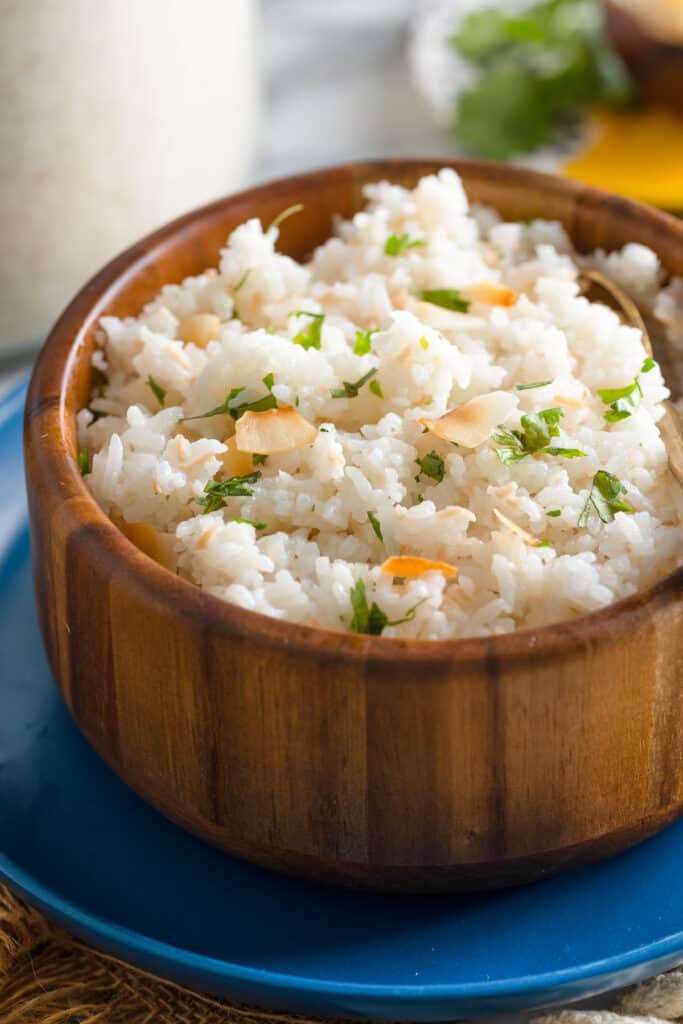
<point x="77" y="843"/>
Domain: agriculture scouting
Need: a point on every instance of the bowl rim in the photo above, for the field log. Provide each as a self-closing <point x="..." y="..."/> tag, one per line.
<point x="54" y="369"/>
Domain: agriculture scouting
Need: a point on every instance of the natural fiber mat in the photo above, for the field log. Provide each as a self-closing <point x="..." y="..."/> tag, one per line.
<point x="48" y="977"/>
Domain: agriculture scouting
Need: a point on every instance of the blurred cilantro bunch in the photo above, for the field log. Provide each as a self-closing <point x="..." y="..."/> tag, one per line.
<point x="537" y="70"/>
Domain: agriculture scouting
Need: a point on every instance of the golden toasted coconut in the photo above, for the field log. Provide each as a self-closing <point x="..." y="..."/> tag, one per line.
<point x="471" y="424"/>
<point x="235" y="462"/>
<point x="276" y="430"/>
<point x="410" y="567"/>
<point x="200" y="329"/>
<point x="515" y="528"/>
<point x="491" y="293"/>
<point x="158" y="546"/>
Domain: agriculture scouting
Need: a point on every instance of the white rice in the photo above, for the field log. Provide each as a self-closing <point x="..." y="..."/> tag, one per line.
<point x="318" y="541"/>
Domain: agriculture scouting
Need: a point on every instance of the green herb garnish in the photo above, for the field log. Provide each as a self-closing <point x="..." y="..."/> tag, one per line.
<point x="156" y="388"/>
<point x="311" y="335"/>
<point x="371" y="619"/>
<point x="604" y="498"/>
<point x="533" y="439"/>
<point x="536" y="384"/>
<point x="554" y="512"/>
<point x="350" y="389"/>
<point x="623" y="401"/>
<point x="376" y="525"/>
<point x="216" y="490"/>
<point x="230" y="408"/>
<point x="259" y="460"/>
<point x="536" y="69"/>
<point x="448" y="298"/>
<point x="431" y="465"/>
<point x="288" y="212"/>
<point x="396" y="244"/>
<point x="362" y="346"/>
<point x="83" y="460"/>
<point x="250" y="522"/>
<point x="243" y="280"/>
<point x="376" y="388"/>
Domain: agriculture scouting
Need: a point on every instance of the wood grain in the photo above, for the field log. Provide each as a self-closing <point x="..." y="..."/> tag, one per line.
<point x="397" y="764"/>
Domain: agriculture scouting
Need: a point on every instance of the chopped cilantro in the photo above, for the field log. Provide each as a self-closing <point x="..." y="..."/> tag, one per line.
<point x="283" y="215"/>
<point x="351" y="388"/>
<point x="536" y="68"/>
<point x="83" y="462"/>
<point x="370" y="619"/>
<point x="259" y="460"/>
<point x="362" y="346"/>
<point x="310" y="336"/>
<point x="536" y="384"/>
<point x="243" y="280"/>
<point x="230" y="408"/>
<point x="156" y="388"/>
<point x="534" y="438"/>
<point x="376" y="388"/>
<point x="449" y="298"/>
<point x="250" y="522"/>
<point x="396" y="244"/>
<point x="623" y="401"/>
<point x="376" y="525"/>
<point x="554" y="512"/>
<point x="604" y="498"/>
<point x="431" y="465"/>
<point x="216" y="490"/>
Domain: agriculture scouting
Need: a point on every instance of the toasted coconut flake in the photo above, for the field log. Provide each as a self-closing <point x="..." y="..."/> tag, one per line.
<point x="445" y="319"/>
<point x="200" y="329"/>
<point x="235" y="462"/>
<point x="515" y="528"/>
<point x="276" y="430"/>
<point x="572" y="401"/>
<point x="159" y="546"/>
<point x="457" y="512"/>
<point x="410" y="567"/>
<point x="491" y="293"/>
<point x="471" y="424"/>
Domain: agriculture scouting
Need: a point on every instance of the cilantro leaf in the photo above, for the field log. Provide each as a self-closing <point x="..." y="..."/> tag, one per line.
<point x="230" y="408"/>
<point x="350" y="389"/>
<point x="448" y="298"/>
<point x="431" y="465"/>
<point x="536" y="384"/>
<point x="554" y="512"/>
<point x="604" y="498"/>
<point x="159" y="392"/>
<point x="250" y="522"/>
<point x="396" y="244"/>
<point x="370" y="619"/>
<point x="83" y="462"/>
<point x="376" y="388"/>
<point x="310" y="336"/>
<point x="376" y="525"/>
<point x="624" y="401"/>
<point x="537" y="430"/>
<point x="259" y="460"/>
<point x="362" y="346"/>
<point x="216" y="490"/>
<point x="537" y="68"/>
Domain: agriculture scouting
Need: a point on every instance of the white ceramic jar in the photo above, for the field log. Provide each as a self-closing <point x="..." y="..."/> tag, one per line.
<point x="115" y="115"/>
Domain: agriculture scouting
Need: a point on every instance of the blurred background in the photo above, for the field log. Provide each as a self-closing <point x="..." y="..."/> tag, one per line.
<point x="116" y="116"/>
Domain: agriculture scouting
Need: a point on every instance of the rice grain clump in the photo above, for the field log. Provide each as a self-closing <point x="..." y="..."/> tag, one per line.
<point x="426" y="431"/>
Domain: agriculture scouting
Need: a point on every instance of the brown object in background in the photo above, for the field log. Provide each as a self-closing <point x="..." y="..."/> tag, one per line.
<point x="657" y="66"/>
<point x="410" y="765"/>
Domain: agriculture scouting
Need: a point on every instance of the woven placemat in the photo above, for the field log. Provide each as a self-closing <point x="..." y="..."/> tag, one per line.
<point x="48" y="977"/>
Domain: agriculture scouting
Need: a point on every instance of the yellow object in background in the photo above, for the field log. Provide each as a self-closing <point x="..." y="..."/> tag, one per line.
<point x="637" y="154"/>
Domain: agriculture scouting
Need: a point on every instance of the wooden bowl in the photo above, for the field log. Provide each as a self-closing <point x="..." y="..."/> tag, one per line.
<point x="398" y="764"/>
